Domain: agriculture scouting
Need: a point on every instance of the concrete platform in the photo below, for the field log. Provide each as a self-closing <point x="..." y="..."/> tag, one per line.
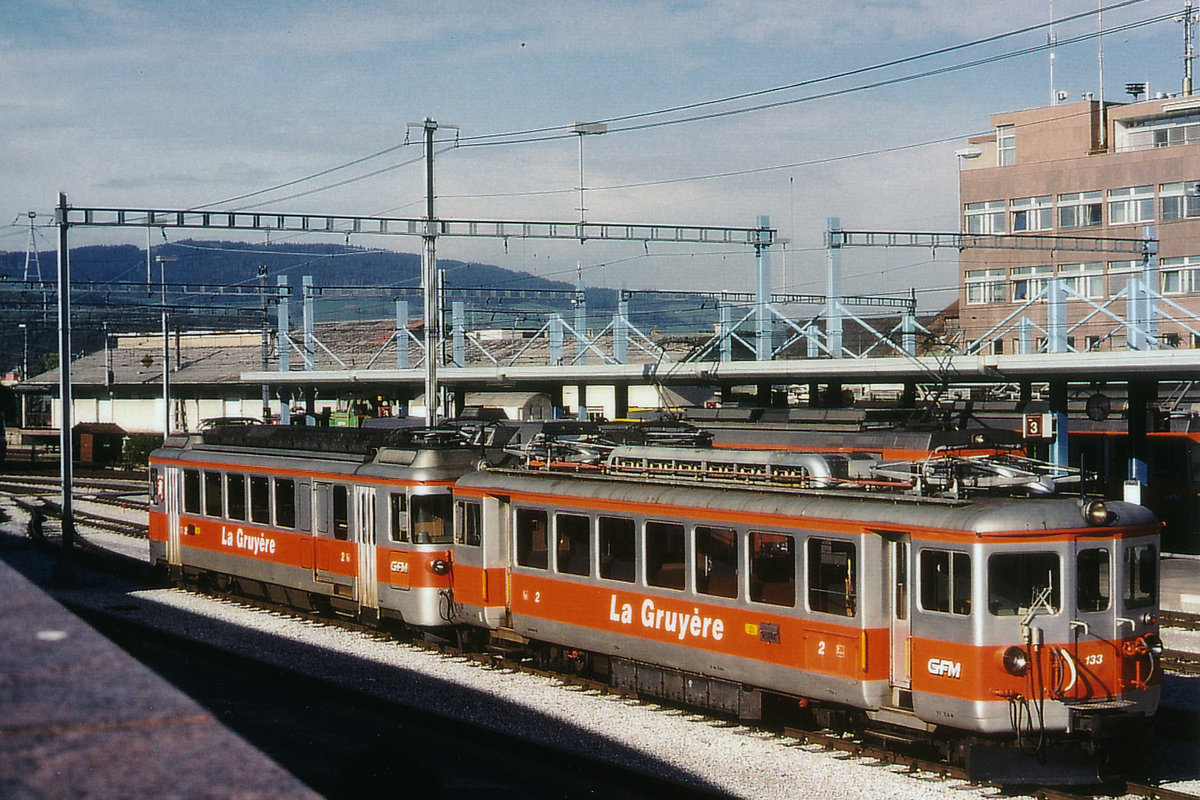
<point x="1180" y="584"/>
<point x="80" y="718"/>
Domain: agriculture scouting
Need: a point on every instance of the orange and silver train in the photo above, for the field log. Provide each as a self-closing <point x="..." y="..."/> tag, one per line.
<point x="1015" y="630"/>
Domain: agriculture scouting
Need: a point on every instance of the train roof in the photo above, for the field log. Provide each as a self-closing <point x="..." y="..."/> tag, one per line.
<point x="878" y="511"/>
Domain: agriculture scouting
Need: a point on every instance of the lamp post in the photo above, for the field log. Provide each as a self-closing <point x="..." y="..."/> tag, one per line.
<point x="960" y="156"/>
<point x="24" y="373"/>
<point x="582" y="129"/>
<point x="166" y="346"/>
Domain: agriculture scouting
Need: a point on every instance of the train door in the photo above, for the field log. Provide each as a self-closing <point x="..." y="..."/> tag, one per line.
<point x="364" y="536"/>
<point x="1087" y="660"/>
<point x="331" y="535"/>
<point x="899" y="612"/>
<point x="172" y="492"/>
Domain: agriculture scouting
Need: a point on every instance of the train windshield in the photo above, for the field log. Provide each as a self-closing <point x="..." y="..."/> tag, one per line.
<point x="431" y="518"/>
<point x="1019" y="581"/>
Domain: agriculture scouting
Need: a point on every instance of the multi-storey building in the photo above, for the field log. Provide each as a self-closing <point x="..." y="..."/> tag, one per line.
<point x="1082" y="170"/>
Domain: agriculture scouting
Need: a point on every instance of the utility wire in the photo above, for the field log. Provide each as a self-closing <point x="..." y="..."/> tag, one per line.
<point x="813" y="81"/>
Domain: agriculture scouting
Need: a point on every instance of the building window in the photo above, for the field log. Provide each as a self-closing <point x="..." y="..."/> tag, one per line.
<point x="1179" y="275"/>
<point x="984" y="217"/>
<point x="984" y="286"/>
<point x="1031" y="214"/>
<point x="1130" y="204"/>
<point x="1179" y="201"/>
<point x="1080" y="209"/>
<point x="1006" y="145"/>
<point x="1119" y="273"/>
<point x="1029" y="282"/>
<point x="1086" y="280"/>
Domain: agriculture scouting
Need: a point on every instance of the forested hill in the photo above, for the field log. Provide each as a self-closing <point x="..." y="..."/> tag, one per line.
<point x="200" y="262"/>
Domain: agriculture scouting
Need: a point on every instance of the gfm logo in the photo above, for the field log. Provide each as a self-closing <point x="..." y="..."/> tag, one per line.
<point x="944" y="668"/>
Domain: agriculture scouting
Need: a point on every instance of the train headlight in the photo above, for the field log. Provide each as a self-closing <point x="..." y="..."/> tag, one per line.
<point x="439" y="566"/>
<point x="1016" y="661"/>
<point x="1154" y="645"/>
<point x="1096" y="513"/>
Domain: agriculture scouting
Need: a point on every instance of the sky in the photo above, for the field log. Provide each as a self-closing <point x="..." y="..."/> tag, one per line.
<point x="181" y="105"/>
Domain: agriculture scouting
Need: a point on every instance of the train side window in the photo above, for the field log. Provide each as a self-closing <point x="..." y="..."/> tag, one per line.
<point x="285" y="502"/>
<point x="946" y="582"/>
<point x="1093" y="585"/>
<point x="716" y="561"/>
<point x="573" y="539"/>
<point x="341" y="513"/>
<point x="235" y="496"/>
<point x="468" y="528"/>
<point x="260" y="499"/>
<point x="831" y="577"/>
<point x="212" y="494"/>
<point x="773" y="569"/>
<point x="532" y="543"/>
<point x="1017" y="580"/>
<point x="432" y="520"/>
<point x="191" y="491"/>
<point x="1141" y="576"/>
<point x="665" y="555"/>
<point x="398" y="517"/>
<point x="618" y="550"/>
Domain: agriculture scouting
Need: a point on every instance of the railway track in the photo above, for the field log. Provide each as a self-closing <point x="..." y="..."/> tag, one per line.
<point x="881" y="753"/>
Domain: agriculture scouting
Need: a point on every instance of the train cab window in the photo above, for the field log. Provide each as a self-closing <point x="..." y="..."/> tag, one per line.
<point x="831" y="577"/>
<point x="618" y="551"/>
<point x="945" y="582"/>
<point x="1019" y="581"/>
<point x="1093" y="586"/>
<point x="191" y="491"/>
<point x="533" y="548"/>
<point x="573" y="539"/>
<point x="716" y="561"/>
<point x="665" y="555"/>
<point x="432" y="522"/>
<point x="1141" y="576"/>
<point x="235" y="496"/>
<point x="154" y="498"/>
<point x="773" y="569"/>
<point x="212" y="494"/>
<point x="341" y="513"/>
<point x="260" y="499"/>
<point x="468" y="527"/>
<point x="398" y="517"/>
<point x="285" y="502"/>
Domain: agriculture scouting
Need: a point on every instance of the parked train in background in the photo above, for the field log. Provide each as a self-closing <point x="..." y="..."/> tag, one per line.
<point x="1015" y="630"/>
